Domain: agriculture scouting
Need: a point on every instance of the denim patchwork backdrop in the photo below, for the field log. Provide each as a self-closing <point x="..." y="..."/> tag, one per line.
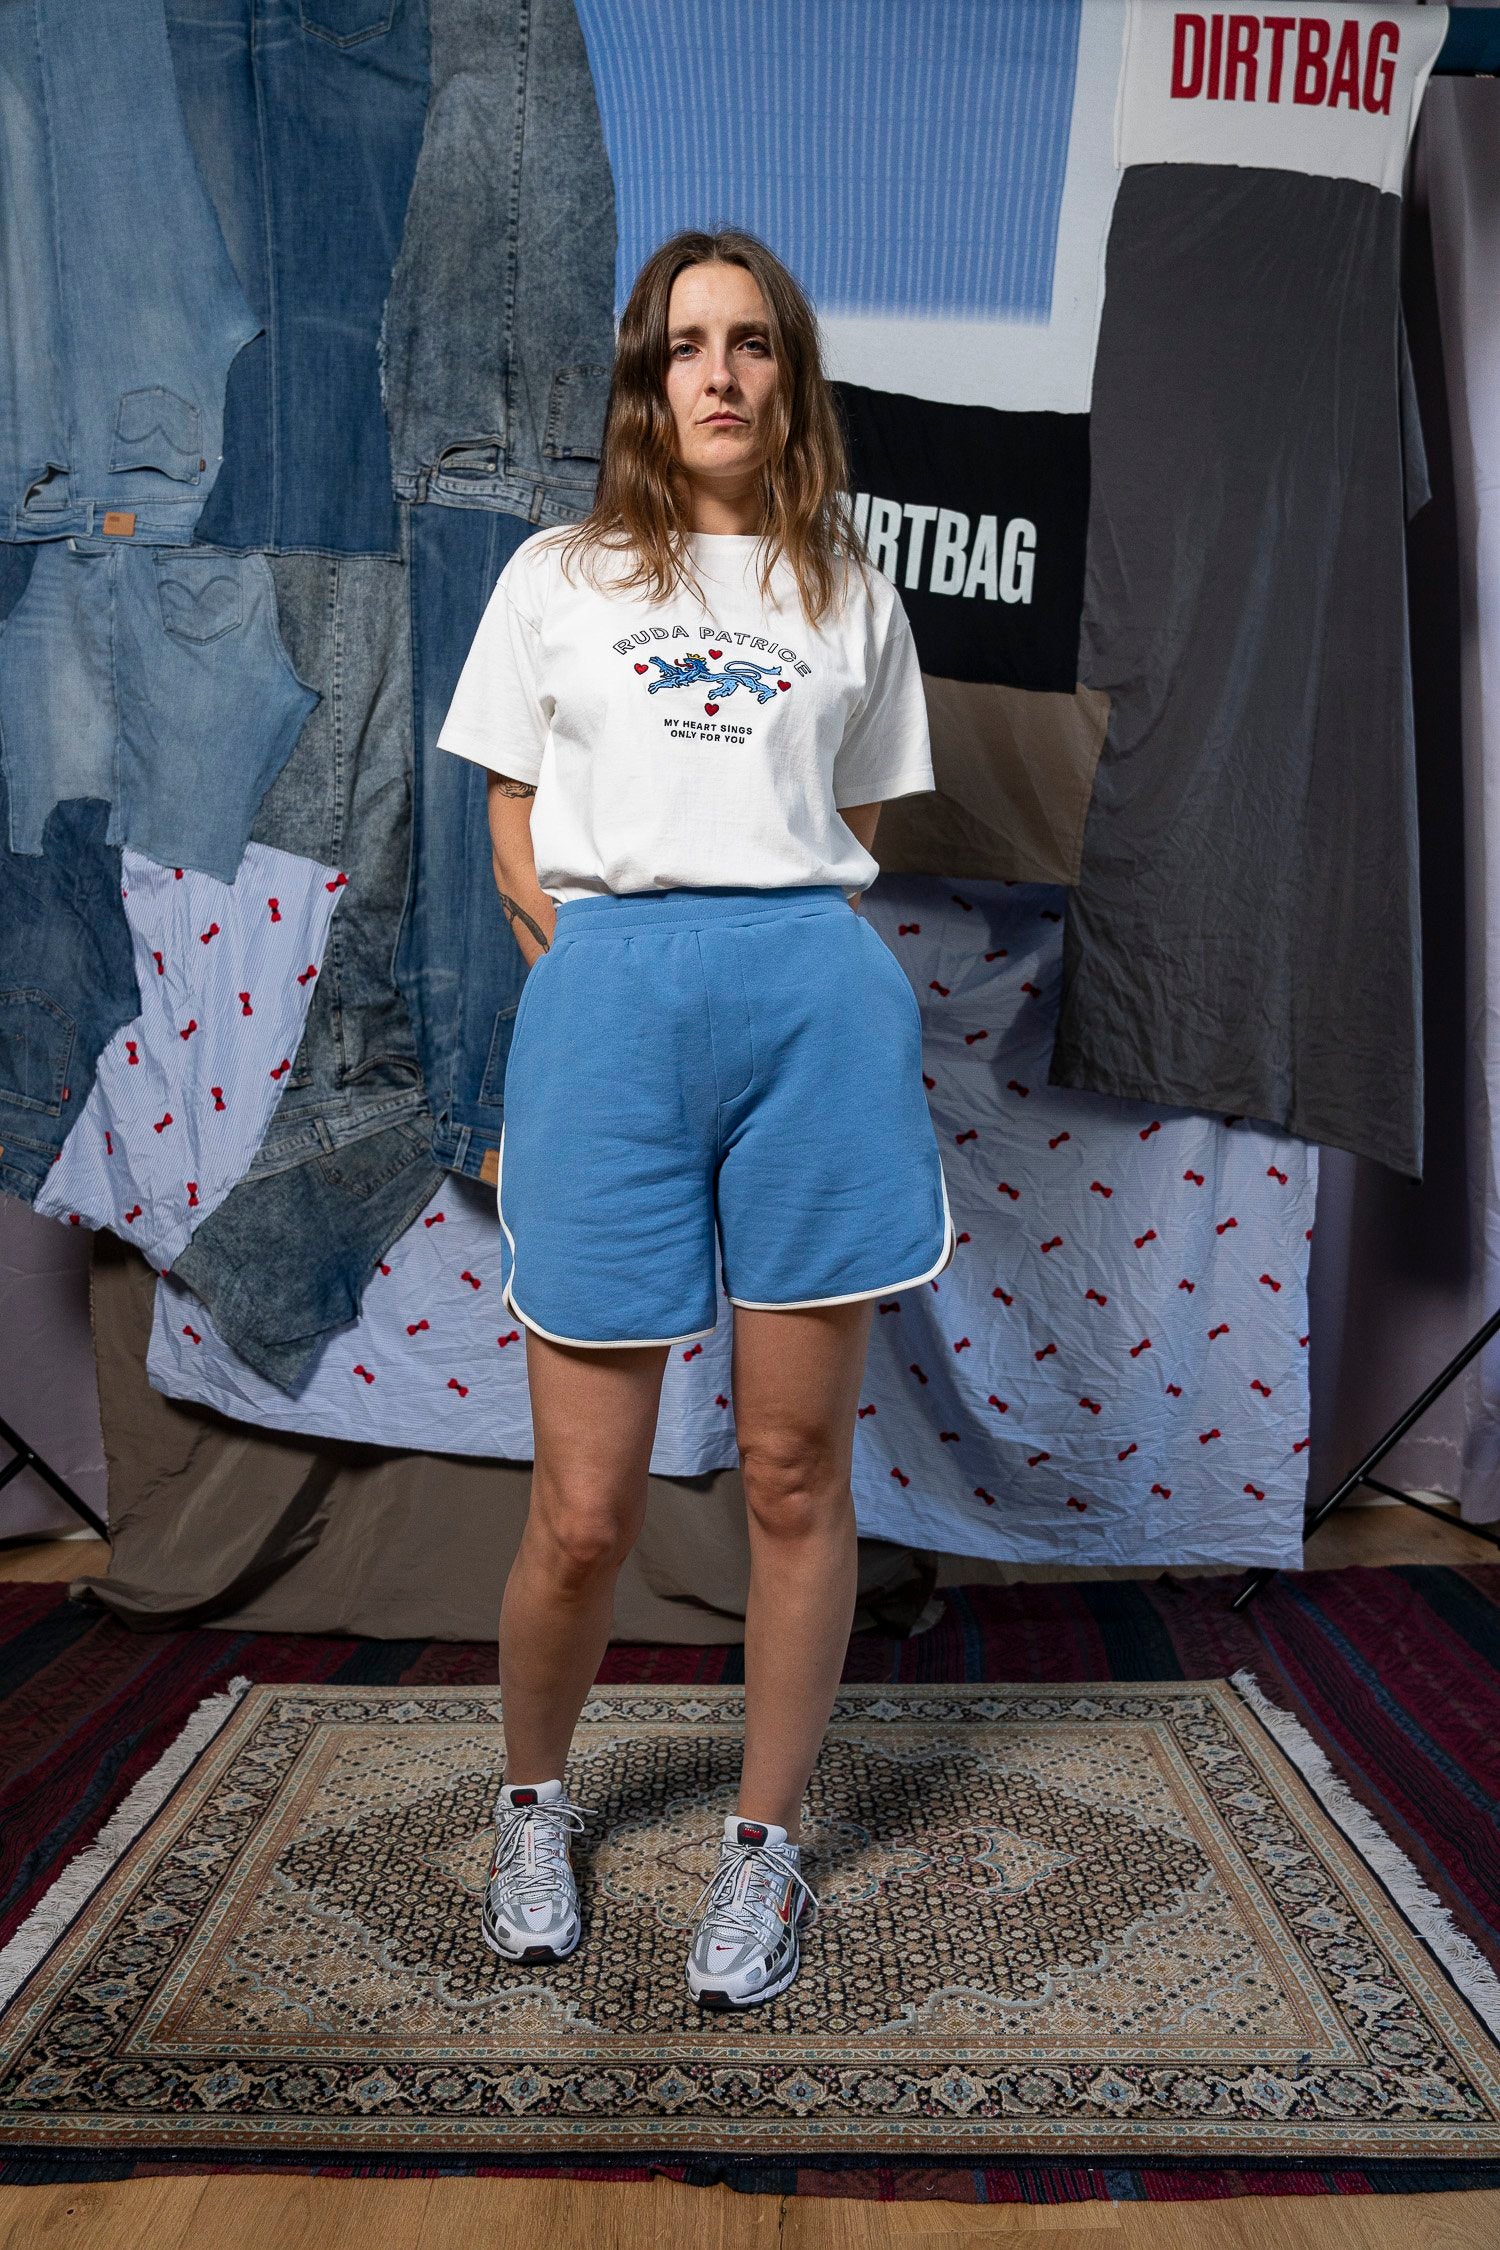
<point x="347" y="1161"/>
<point x="120" y="311"/>
<point x="306" y="117"/>
<point x="498" y="335"/>
<point x="458" y="965"/>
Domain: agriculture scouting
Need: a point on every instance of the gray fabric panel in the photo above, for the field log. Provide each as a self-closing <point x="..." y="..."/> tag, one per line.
<point x="1243" y="936"/>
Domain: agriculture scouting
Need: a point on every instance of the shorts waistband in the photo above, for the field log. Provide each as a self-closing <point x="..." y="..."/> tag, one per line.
<point x="620" y="912"/>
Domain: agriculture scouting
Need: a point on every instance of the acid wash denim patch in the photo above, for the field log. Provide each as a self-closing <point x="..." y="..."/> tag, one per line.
<point x="458" y="964"/>
<point x="122" y="310"/>
<point x="305" y="117"/>
<point x="498" y="334"/>
<point x="347" y="1161"/>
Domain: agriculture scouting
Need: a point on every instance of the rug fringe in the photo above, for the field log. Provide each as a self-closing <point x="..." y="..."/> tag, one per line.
<point x="1432" y="1921"/>
<point x="80" y="1879"/>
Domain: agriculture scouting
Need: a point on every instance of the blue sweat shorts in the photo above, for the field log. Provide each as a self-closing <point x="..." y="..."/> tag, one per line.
<point x="691" y="1062"/>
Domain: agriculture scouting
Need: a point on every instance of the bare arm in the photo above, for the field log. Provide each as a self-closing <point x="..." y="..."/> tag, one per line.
<point x="531" y="914"/>
<point x="862" y="819"/>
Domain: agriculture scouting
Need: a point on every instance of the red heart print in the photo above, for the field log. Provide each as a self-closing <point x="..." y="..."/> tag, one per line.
<point x="716" y="653"/>
<point x="711" y="708"/>
<point x="783" y="685"/>
<point x="640" y="667"/>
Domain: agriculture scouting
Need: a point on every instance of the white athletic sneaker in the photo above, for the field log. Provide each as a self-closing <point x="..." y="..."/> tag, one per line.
<point x="530" y="1910"/>
<point x="745" y="1948"/>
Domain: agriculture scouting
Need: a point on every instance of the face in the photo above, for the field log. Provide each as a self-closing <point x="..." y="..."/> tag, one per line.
<point x="721" y="373"/>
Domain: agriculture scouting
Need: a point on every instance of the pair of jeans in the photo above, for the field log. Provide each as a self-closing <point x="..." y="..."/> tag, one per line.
<point x="458" y="964"/>
<point x="67" y="984"/>
<point x="155" y="678"/>
<point x="499" y="331"/>
<point x="306" y="117"/>
<point x="346" y="1163"/>
<point x="120" y="310"/>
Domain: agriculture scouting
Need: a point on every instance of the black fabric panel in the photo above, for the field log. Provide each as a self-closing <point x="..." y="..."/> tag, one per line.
<point x="997" y="595"/>
<point x="1243" y="937"/>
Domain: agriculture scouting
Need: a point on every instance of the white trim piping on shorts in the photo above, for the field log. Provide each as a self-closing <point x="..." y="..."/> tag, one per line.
<point x="855" y="1296"/>
<point x="581" y="1343"/>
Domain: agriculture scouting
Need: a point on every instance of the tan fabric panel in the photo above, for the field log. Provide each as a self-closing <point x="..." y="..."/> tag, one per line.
<point x="1015" y="772"/>
<point x="217" y="1522"/>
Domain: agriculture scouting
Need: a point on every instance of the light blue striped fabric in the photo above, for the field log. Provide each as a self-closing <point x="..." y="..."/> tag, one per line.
<point x="902" y="156"/>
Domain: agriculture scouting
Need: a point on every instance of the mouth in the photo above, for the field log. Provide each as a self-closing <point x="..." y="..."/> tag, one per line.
<point x="724" y="421"/>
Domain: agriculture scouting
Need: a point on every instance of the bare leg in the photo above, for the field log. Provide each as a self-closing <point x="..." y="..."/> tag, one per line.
<point x="594" y="1419"/>
<point x="796" y="1389"/>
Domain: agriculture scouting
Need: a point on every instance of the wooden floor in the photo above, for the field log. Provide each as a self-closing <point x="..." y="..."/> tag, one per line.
<point x="279" y="2211"/>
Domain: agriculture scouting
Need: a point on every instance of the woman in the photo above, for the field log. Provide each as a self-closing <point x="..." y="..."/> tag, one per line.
<point x="693" y="705"/>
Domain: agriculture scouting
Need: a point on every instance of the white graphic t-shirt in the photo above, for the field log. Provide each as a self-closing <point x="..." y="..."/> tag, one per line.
<point x="691" y="742"/>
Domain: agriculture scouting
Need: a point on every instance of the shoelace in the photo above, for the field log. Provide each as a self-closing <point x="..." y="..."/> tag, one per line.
<point x="549" y="1826"/>
<point x="746" y="1917"/>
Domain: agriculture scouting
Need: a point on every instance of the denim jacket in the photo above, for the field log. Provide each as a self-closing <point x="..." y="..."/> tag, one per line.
<point x="499" y="333"/>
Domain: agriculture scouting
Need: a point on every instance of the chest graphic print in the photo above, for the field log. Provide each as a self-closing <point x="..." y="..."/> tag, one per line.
<point x="726" y="663"/>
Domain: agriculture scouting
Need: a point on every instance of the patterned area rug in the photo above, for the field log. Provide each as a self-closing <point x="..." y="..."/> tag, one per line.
<point x="1101" y="1921"/>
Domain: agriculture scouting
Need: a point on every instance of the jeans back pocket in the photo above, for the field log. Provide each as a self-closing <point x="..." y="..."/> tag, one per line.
<point x="346" y="23"/>
<point x="201" y="598"/>
<point x="36" y="1048"/>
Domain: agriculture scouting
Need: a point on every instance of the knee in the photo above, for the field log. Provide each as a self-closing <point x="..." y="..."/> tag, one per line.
<point x="795" y="1484"/>
<point x="578" y="1537"/>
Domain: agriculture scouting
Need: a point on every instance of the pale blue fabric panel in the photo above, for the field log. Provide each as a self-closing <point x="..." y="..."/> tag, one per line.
<point x="899" y="155"/>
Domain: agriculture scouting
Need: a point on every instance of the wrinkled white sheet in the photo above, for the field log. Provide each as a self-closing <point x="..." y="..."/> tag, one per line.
<point x="1113" y="1369"/>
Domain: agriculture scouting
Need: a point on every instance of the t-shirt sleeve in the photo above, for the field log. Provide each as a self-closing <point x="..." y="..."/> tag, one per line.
<point x="885" y="751"/>
<point x="498" y="716"/>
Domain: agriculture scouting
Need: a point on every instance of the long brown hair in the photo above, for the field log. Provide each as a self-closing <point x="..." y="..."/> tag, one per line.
<point x="639" y="508"/>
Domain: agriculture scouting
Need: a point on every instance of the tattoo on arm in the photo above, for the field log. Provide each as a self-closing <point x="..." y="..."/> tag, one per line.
<point x="516" y="912"/>
<point x="508" y="788"/>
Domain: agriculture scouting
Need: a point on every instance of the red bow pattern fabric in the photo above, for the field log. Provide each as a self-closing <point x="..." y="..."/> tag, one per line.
<point x="184" y="1094"/>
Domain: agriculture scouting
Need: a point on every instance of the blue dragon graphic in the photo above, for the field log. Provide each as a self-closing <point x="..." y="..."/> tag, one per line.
<point x="692" y="670"/>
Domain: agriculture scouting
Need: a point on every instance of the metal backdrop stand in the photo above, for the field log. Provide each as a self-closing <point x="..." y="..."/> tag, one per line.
<point x="1361" y="1475"/>
<point x="27" y="1457"/>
